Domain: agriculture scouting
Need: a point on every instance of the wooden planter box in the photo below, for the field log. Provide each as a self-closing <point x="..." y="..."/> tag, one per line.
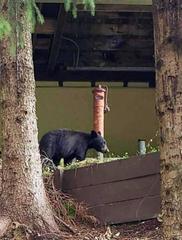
<point x="118" y="191"/>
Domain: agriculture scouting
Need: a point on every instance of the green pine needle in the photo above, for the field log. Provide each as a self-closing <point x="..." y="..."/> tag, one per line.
<point x="67" y="5"/>
<point x="12" y="26"/>
<point x="71" y="5"/>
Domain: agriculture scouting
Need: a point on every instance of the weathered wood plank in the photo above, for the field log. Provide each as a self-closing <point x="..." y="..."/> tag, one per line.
<point x="105" y="57"/>
<point x="58" y="178"/>
<point x="112" y="69"/>
<point x="49" y="27"/>
<point x="127" y="44"/>
<point x="116" y="51"/>
<point x="130" y="2"/>
<point x="94" y="76"/>
<point x="128" y="211"/>
<point x="117" y="191"/>
<point x="113" y="18"/>
<point x="42" y="44"/>
<point x="102" y="52"/>
<point x="123" y="8"/>
<point x="119" y="47"/>
<point x="56" y="42"/>
<point x="145" y="47"/>
<point x="112" y="7"/>
<point x="112" y="171"/>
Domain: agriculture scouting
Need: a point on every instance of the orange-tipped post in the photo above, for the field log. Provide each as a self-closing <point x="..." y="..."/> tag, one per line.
<point x="98" y="111"/>
<point x="98" y="108"/>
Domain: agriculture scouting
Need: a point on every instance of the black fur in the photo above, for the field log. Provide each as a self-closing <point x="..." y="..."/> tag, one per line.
<point x="70" y="144"/>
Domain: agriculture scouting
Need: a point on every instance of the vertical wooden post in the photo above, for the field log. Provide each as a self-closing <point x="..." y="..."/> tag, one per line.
<point x="58" y="179"/>
<point x="98" y="111"/>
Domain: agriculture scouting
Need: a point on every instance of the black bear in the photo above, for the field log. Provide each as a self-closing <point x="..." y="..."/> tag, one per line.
<point x="69" y="144"/>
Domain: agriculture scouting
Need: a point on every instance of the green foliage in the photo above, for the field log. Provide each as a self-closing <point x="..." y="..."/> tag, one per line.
<point x="67" y="5"/>
<point x="71" y="5"/>
<point x="151" y="148"/>
<point x="89" y="5"/>
<point x="33" y="14"/>
<point x="70" y="208"/>
<point x="11" y="23"/>
<point x="93" y="161"/>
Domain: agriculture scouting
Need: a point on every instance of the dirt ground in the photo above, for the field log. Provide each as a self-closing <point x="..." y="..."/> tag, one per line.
<point x="145" y="230"/>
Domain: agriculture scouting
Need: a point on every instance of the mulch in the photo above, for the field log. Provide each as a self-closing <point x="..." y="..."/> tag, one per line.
<point x="145" y="230"/>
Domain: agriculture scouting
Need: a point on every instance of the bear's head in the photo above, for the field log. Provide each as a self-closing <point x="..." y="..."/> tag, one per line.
<point x="98" y="142"/>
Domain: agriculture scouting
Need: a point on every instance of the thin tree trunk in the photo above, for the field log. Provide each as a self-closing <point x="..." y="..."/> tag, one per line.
<point x="168" y="57"/>
<point x="23" y="197"/>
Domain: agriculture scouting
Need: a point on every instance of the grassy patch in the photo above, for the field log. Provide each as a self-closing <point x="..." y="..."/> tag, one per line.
<point x="93" y="161"/>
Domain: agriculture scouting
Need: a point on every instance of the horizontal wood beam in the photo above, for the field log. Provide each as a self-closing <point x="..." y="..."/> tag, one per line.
<point x="114" y="17"/>
<point x="145" y="49"/>
<point x="128" y="44"/>
<point x="129" y="2"/>
<point x="112" y="69"/>
<point x="98" y="74"/>
<point x="120" y="7"/>
<point x="49" y="27"/>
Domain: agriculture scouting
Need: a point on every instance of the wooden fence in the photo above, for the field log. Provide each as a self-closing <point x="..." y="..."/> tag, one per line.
<point x="118" y="191"/>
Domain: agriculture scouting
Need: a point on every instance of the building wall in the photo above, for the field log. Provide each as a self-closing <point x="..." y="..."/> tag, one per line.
<point x="132" y="114"/>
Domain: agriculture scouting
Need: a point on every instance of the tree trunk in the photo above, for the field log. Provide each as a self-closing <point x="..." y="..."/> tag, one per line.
<point x="23" y="197"/>
<point x="168" y="58"/>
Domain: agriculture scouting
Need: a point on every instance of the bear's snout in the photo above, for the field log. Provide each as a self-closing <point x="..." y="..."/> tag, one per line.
<point x="105" y="149"/>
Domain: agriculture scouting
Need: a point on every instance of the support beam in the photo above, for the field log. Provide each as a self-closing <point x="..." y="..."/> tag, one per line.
<point x="130" y="2"/>
<point x="98" y="74"/>
<point x="121" y="8"/>
<point x="50" y="27"/>
<point x="56" y="43"/>
<point x="116" y="6"/>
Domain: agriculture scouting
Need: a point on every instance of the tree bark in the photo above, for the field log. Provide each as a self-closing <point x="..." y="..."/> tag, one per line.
<point x="23" y="197"/>
<point x="168" y="59"/>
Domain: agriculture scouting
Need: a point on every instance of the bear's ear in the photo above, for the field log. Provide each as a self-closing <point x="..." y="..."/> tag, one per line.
<point x="93" y="134"/>
<point x="99" y="132"/>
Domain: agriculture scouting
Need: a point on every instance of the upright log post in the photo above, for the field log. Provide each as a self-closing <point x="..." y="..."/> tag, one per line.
<point x="99" y="108"/>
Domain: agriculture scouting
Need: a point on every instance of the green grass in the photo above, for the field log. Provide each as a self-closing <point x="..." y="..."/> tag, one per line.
<point x="92" y="161"/>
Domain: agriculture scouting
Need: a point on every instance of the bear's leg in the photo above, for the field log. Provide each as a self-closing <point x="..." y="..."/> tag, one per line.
<point x="68" y="160"/>
<point x="56" y="161"/>
<point x="81" y="156"/>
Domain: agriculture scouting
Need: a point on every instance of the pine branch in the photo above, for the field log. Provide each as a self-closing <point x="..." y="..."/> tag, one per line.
<point x="71" y="5"/>
<point x="12" y="26"/>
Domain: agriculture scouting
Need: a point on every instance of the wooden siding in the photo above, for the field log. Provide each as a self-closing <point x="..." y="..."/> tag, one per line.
<point x="119" y="35"/>
<point x="130" y="2"/>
